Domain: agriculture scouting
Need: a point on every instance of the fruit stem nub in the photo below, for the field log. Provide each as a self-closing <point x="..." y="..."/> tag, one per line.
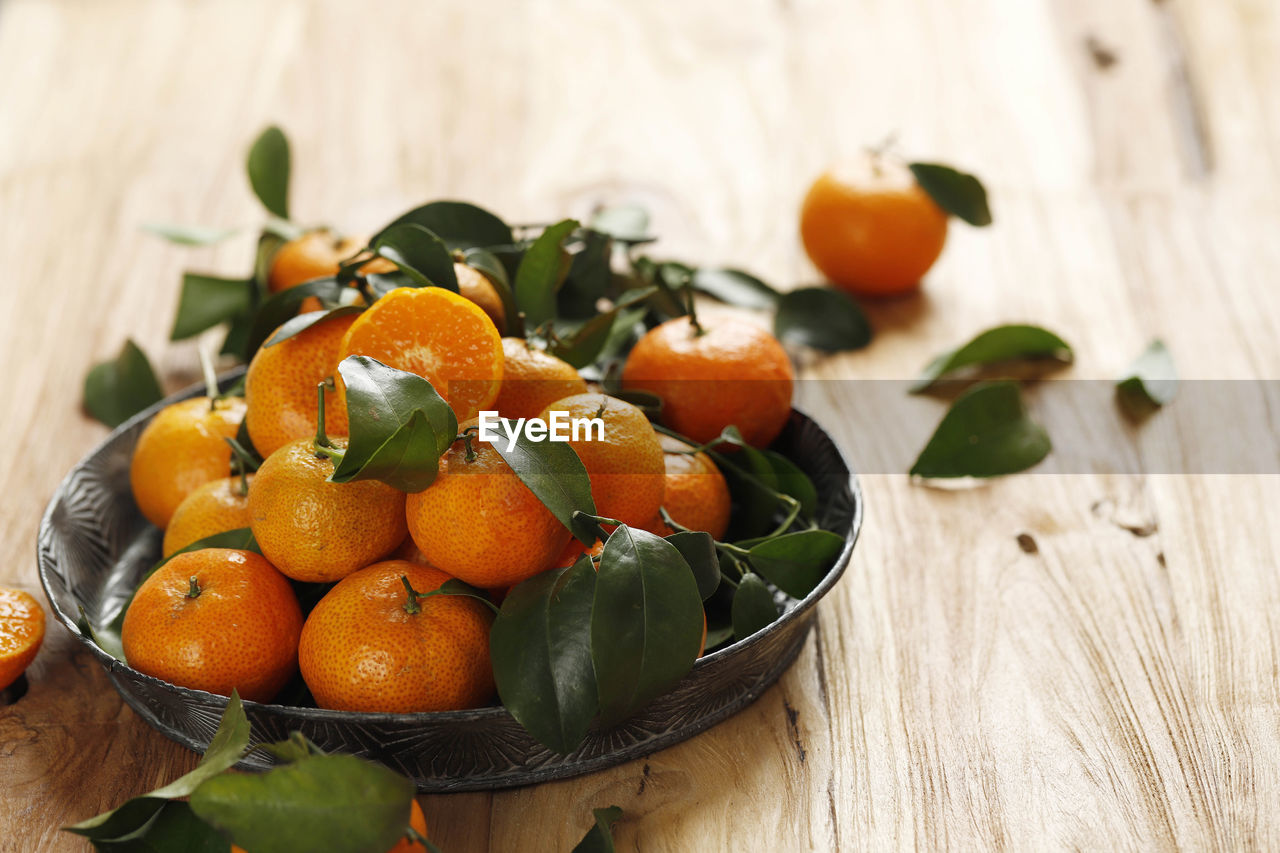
<point x="468" y="435"/>
<point x="193" y="591"/>
<point x="693" y="311"/>
<point x="411" y="601"/>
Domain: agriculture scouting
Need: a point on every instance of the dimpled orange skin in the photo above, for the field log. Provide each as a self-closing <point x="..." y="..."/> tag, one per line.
<point x="480" y="523"/>
<point x="181" y="450"/>
<point x="474" y="285"/>
<point x="280" y="386"/>
<point x="570" y="553"/>
<point x="733" y="373"/>
<point x="871" y="229"/>
<point x="361" y="650"/>
<point x="241" y="631"/>
<point x="440" y="336"/>
<point x="697" y="496"/>
<point x="416" y="819"/>
<point x="315" y="254"/>
<point x="533" y="379"/>
<point x="215" y="507"/>
<point x="21" y="633"/>
<point x="626" y="468"/>
<point x="317" y="531"/>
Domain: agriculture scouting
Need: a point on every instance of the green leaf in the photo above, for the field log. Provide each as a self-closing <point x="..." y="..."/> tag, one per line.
<point x="105" y="637"/>
<point x="279" y="307"/>
<point x="460" y="224"/>
<point x="646" y="622"/>
<point x="599" y="838"/>
<point x="796" y="562"/>
<point x="699" y="551"/>
<point x="1151" y="381"/>
<point x="787" y="478"/>
<point x="998" y="345"/>
<point x="490" y="267"/>
<point x="821" y="318"/>
<point x="736" y="288"/>
<point x="555" y="474"/>
<point x="161" y="826"/>
<point x="985" y="433"/>
<point x="268" y="168"/>
<point x="140" y="818"/>
<point x="753" y="607"/>
<point x="958" y="193"/>
<point x="208" y="300"/>
<point x="335" y="803"/>
<point x="399" y="426"/>
<point x="540" y="645"/>
<point x="189" y="235"/>
<point x="540" y="273"/>
<point x="299" y="324"/>
<point x="628" y="223"/>
<point x="585" y="345"/>
<point x="116" y="390"/>
<point x="590" y="276"/>
<point x="418" y="252"/>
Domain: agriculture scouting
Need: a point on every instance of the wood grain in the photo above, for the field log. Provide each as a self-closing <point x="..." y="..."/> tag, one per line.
<point x="1012" y="667"/>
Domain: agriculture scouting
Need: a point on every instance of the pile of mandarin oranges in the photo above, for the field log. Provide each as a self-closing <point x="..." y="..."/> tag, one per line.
<point x="219" y="619"/>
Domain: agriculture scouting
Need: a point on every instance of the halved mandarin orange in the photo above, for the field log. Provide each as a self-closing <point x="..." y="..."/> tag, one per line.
<point x="438" y="335"/>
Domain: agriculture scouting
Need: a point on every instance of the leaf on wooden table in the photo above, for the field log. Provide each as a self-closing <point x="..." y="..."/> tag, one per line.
<point x="986" y="433"/>
<point x="116" y="390"/>
<point x="1150" y="382"/>
<point x="998" y="345"/>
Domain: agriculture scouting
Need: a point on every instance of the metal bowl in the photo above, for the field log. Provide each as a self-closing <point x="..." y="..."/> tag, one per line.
<point x="94" y="546"/>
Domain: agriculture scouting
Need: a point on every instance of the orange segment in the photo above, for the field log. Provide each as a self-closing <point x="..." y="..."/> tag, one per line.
<point x="437" y="334"/>
<point x="21" y="632"/>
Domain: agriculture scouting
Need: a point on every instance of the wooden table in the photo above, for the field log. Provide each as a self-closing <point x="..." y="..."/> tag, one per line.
<point x="1089" y="688"/>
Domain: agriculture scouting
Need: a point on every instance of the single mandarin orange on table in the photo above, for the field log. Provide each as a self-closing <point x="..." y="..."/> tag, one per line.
<point x="697" y="496"/>
<point x="532" y="379"/>
<point x="727" y="372"/>
<point x="181" y="449"/>
<point x="21" y="633"/>
<point x="624" y="461"/>
<point x="480" y="523"/>
<point x="475" y="285"/>
<point x="215" y="507"/>
<point x="216" y="619"/>
<point x="280" y="386"/>
<point x="416" y="819"/>
<point x="369" y="646"/>
<point x="317" y="531"/>
<point x="869" y="227"/>
<point x="438" y="335"/>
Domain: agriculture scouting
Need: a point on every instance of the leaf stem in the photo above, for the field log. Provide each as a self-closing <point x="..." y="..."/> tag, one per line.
<point x="210" y="378"/>
<point x="323" y="447"/>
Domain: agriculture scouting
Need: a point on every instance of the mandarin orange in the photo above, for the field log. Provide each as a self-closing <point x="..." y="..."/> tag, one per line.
<point x="697" y="496"/>
<point x="280" y="386"/>
<point x="624" y="463"/>
<point x="480" y="523"/>
<point x="217" y="620"/>
<point x="21" y="633"/>
<point x="315" y="530"/>
<point x="870" y="228"/>
<point x="475" y="285"/>
<point x="725" y="371"/>
<point x="371" y="646"/>
<point x="215" y="507"/>
<point x="438" y="335"/>
<point x="181" y="450"/>
<point x="532" y="379"/>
